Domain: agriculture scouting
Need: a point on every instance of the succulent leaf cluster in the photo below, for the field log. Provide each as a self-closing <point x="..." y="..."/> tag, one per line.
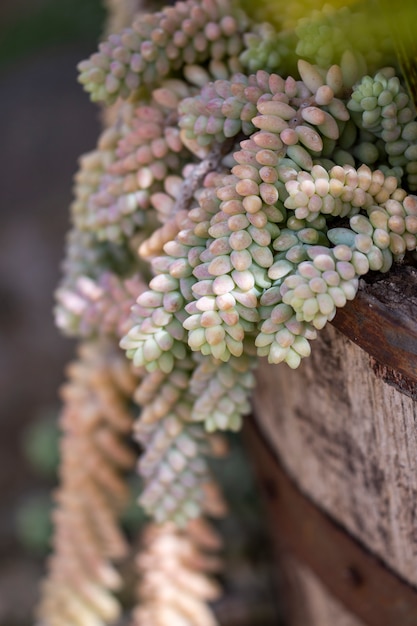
<point x="251" y="171"/>
<point x="257" y="198"/>
<point x="324" y="36"/>
<point x="173" y="465"/>
<point x="158" y="44"/>
<point x="96" y="422"/>
<point x="383" y="107"/>
<point x="176" y="568"/>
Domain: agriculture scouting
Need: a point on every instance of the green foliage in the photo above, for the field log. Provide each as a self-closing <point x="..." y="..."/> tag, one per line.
<point x="33" y="523"/>
<point x="40" y="444"/>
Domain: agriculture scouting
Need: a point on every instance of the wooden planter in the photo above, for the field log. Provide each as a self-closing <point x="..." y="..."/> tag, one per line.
<point x="343" y="428"/>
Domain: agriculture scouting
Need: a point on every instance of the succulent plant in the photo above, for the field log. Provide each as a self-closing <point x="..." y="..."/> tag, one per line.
<point x="249" y="174"/>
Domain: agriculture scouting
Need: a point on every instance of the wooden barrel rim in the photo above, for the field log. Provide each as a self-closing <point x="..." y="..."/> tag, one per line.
<point x="382" y="320"/>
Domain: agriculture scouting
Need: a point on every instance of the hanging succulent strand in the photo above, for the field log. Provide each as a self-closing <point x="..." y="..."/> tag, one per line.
<point x="173" y="464"/>
<point x="95" y="422"/>
<point x="160" y="43"/>
<point x="175" y="566"/>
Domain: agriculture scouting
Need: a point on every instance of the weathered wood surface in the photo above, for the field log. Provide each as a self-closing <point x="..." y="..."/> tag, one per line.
<point x="382" y="321"/>
<point x="302" y="531"/>
<point x="311" y="604"/>
<point x="349" y="440"/>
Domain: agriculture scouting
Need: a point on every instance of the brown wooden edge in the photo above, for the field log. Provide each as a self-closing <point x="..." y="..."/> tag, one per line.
<point x="359" y="580"/>
<point x="389" y="336"/>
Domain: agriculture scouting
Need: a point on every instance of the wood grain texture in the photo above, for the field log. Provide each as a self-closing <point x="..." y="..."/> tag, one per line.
<point x="349" y="441"/>
<point x="349" y="572"/>
<point x="381" y="320"/>
<point x="309" y="603"/>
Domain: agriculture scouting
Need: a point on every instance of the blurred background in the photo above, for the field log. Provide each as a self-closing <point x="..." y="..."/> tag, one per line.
<point x="46" y="122"/>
